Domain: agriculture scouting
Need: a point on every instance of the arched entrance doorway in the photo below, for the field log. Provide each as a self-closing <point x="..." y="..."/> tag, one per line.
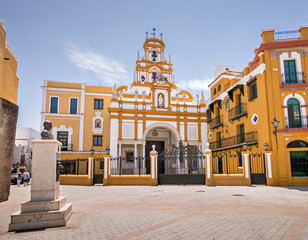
<point x="163" y="136"/>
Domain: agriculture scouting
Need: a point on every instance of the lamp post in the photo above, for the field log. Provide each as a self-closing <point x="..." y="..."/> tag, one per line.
<point x="275" y="124"/>
<point x="245" y="147"/>
<point x="107" y="150"/>
<point x="265" y="146"/>
<point x="92" y="151"/>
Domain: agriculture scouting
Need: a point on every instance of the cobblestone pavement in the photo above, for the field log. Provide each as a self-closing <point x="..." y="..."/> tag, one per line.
<point x="172" y="212"/>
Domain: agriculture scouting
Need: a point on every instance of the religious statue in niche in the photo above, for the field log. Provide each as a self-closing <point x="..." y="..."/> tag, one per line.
<point x="129" y="156"/>
<point x="98" y="123"/>
<point x="161" y="100"/>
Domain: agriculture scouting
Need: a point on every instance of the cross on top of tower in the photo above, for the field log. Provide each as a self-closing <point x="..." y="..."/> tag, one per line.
<point x="153" y="33"/>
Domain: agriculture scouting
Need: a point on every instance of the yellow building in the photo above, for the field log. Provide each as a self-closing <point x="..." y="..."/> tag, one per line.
<point x="263" y="109"/>
<point x="8" y="111"/>
<point x="79" y="114"/>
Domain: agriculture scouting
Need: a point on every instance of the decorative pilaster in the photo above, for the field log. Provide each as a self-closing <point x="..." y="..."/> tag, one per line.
<point x="106" y="170"/>
<point x="208" y="164"/>
<point x="246" y="167"/>
<point x="154" y="155"/>
<point x="268" y="164"/>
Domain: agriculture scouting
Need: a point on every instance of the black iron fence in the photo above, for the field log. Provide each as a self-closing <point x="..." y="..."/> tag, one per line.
<point x="293" y="78"/>
<point x="216" y="122"/>
<point x="238" y="111"/>
<point x="74" y="167"/>
<point x="249" y="138"/>
<point x="173" y="164"/>
<point x="228" y="163"/>
<point x="124" y="166"/>
<point x="297" y="121"/>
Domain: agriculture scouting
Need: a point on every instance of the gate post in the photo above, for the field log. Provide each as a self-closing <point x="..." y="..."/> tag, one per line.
<point x="246" y="168"/>
<point x="208" y="164"/>
<point x="268" y="164"/>
<point x="106" y="170"/>
<point x="91" y="169"/>
<point x="153" y="156"/>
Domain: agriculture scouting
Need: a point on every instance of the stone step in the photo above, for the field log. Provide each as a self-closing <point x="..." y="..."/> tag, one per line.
<point x="36" y="220"/>
<point x="44" y="206"/>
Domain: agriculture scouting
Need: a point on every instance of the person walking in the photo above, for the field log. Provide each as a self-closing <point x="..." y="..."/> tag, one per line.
<point x="19" y="177"/>
<point x="26" y="176"/>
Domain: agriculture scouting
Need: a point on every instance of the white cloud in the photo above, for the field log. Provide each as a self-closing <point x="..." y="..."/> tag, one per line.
<point x="107" y="69"/>
<point x="195" y="84"/>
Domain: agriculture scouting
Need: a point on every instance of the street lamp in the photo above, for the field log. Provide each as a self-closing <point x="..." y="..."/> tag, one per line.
<point x="265" y="146"/>
<point x="275" y="125"/>
<point x="107" y="150"/>
<point x="245" y="146"/>
<point x="92" y="151"/>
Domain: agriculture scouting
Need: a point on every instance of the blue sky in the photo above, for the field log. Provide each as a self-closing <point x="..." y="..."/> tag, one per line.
<point x="97" y="40"/>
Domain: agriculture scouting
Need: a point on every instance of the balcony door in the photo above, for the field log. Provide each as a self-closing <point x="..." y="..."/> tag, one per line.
<point x="294" y="114"/>
<point x="240" y="106"/>
<point x="241" y="130"/>
<point x="290" y="71"/>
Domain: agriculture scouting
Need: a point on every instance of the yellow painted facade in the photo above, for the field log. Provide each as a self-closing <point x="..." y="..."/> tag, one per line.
<point x="8" y="69"/>
<point x="79" y="125"/>
<point x="272" y="87"/>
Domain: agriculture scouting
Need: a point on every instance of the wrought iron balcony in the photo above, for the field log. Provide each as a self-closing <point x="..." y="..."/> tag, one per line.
<point x="238" y="111"/>
<point x="216" y="122"/>
<point x="69" y="147"/>
<point x="235" y="141"/>
<point x="286" y="35"/>
<point x="297" y="122"/>
<point x="293" y="78"/>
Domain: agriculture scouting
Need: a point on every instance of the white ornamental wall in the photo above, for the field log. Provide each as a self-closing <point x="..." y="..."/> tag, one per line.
<point x="114" y="132"/>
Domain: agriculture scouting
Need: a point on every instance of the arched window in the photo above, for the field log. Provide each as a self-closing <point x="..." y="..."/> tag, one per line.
<point x="297" y="144"/>
<point x="214" y="91"/>
<point x="294" y="114"/>
<point x="219" y="88"/>
<point x="98" y="123"/>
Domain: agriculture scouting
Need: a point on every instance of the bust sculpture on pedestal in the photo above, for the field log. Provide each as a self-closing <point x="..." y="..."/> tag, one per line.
<point x="46" y="207"/>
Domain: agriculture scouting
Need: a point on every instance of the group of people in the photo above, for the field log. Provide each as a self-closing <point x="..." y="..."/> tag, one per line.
<point x="25" y="176"/>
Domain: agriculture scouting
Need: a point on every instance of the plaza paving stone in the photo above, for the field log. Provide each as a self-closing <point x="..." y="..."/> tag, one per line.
<point x="172" y="212"/>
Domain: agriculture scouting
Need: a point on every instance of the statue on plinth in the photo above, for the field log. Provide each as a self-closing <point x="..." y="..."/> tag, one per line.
<point x="46" y="134"/>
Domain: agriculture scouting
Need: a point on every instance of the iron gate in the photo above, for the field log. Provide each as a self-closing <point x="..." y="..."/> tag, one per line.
<point x="98" y="168"/>
<point x="181" y="165"/>
<point x="257" y="168"/>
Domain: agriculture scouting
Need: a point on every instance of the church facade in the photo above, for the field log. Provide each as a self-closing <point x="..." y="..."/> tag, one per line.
<point x="128" y="119"/>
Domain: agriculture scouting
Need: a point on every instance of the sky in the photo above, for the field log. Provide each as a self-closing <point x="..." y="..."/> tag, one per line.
<point x="96" y="41"/>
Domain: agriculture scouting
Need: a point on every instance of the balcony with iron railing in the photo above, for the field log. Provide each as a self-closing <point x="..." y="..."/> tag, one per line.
<point x="216" y="122"/>
<point x="292" y="78"/>
<point x="287" y="35"/>
<point x="296" y="122"/>
<point x="235" y="141"/>
<point x="69" y="147"/>
<point x="238" y="111"/>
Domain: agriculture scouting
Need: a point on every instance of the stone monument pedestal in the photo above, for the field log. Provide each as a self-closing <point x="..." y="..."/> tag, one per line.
<point x="46" y="208"/>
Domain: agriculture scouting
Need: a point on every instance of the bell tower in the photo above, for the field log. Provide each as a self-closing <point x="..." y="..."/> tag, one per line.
<point x="153" y="65"/>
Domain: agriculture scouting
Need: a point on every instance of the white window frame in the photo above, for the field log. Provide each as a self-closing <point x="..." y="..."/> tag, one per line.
<point x="294" y="56"/>
<point x="69" y="105"/>
<point x="301" y="101"/>
<point x="50" y="103"/>
<point x="70" y="131"/>
<point x="94" y="129"/>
